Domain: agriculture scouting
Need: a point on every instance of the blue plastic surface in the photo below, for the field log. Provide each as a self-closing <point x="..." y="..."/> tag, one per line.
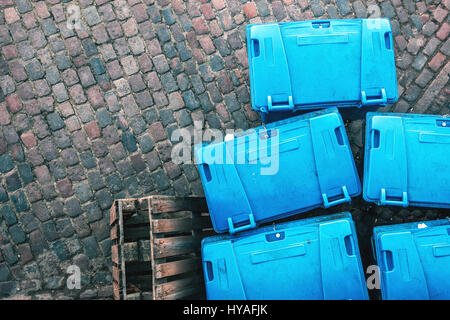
<point x="414" y="260"/>
<point x="321" y="63"/>
<point x="315" y="258"/>
<point x="315" y="168"/>
<point x="406" y="160"/>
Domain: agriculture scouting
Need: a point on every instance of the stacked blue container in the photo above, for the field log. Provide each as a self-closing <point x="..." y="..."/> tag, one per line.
<point x="406" y="164"/>
<point x="414" y="260"/>
<point x="304" y="162"/>
<point x="318" y="64"/>
<point x="406" y="160"/>
<point x="271" y="172"/>
<point x="315" y="258"/>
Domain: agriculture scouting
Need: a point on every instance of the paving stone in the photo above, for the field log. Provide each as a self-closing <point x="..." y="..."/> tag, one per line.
<point x="91" y="16"/>
<point x="41" y="211"/>
<point x="54" y="121"/>
<point x="6" y="163"/>
<point x="97" y="66"/>
<point x="8" y="215"/>
<point x="12" y="181"/>
<point x="62" y="61"/>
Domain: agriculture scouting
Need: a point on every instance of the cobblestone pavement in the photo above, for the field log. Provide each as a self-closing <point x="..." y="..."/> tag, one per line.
<point x="86" y="114"/>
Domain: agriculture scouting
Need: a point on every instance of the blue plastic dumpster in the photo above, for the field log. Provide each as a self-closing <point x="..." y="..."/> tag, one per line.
<point x="315" y="258"/>
<point x="268" y="173"/>
<point x="414" y="260"/>
<point x="321" y="63"/>
<point x="406" y="160"/>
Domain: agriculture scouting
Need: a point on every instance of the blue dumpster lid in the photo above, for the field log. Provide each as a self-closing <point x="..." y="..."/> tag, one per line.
<point x="414" y="260"/>
<point x="287" y="167"/>
<point x="407" y="160"/>
<point x="314" y="258"/>
<point x="321" y="63"/>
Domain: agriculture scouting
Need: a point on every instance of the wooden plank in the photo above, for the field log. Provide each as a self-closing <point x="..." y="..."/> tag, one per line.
<point x="112" y="214"/>
<point x="114" y="234"/>
<point x="137" y="233"/>
<point x="164" y="290"/>
<point x="134" y="296"/>
<point x="152" y="249"/>
<point x="168" y="269"/>
<point x="166" y="247"/>
<point x="147" y="295"/>
<point x="180" y="224"/>
<point x="116" y="291"/>
<point x="121" y="242"/>
<point x="183" y="293"/>
<point x="115" y="274"/>
<point x="115" y="254"/>
<point x="160" y="204"/>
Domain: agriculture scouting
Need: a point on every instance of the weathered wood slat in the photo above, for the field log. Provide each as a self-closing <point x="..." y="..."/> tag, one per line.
<point x="116" y="274"/>
<point x="166" y="247"/>
<point x="167" y="289"/>
<point x="147" y="295"/>
<point x="179" y="224"/>
<point x="187" y="292"/>
<point x="172" y="204"/>
<point x="115" y="253"/>
<point x="121" y="243"/>
<point x="114" y="233"/>
<point x="112" y="214"/>
<point x="168" y="269"/>
<point x="134" y="296"/>
<point x="116" y="291"/>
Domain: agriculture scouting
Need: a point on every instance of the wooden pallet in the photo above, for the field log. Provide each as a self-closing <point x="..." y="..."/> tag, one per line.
<point x="156" y="247"/>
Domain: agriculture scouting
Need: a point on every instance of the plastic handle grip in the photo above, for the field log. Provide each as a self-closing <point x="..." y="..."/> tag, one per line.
<point x="372" y="102"/>
<point x="388" y="260"/>
<point x="374" y="138"/>
<point x="328" y="204"/>
<point x="285" y="107"/>
<point x="208" y="267"/>
<point x="234" y="229"/>
<point x="384" y="201"/>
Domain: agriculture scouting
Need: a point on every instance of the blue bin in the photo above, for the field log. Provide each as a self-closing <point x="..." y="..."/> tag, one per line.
<point x="322" y="63"/>
<point x="288" y="167"/>
<point x="414" y="260"/>
<point x="315" y="258"/>
<point x="406" y="160"/>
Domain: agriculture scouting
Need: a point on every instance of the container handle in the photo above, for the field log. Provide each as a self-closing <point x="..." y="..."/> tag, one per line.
<point x="280" y="107"/>
<point x="384" y="201"/>
<point x="372" y="102"/>
<point x="328" y="204"/>
<point x="250" y="225"/>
